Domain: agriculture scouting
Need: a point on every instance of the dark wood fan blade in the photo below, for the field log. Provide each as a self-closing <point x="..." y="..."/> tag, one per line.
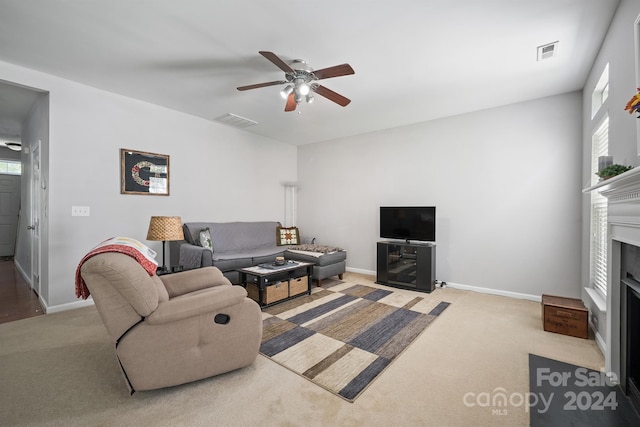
<point x="291" y="103"/>
<point x="335" y="71"/>
<point x="256" y="86"/>
<point x="277" y="61"/>
<point x="331" y="95"/>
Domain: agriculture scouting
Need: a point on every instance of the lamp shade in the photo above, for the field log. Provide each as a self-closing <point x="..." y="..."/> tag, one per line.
<point x="165" y="228"/>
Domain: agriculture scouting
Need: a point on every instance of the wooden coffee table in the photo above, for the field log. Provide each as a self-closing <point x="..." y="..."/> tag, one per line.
<point x="271" y="284"/>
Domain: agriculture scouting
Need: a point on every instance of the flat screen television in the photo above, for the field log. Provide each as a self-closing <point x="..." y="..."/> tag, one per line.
<point x="408" y="223"/>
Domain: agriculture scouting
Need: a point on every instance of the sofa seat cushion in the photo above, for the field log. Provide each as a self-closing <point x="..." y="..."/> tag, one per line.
<point x="233" y="263"/>
<point x="317" y="258"/>
<point x="227" y="261"/>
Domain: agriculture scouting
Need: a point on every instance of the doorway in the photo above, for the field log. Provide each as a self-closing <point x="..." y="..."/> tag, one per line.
<point x="24" y="121"/>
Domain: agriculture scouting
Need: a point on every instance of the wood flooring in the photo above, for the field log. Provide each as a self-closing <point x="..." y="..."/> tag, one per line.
<point x="17" y="299"/>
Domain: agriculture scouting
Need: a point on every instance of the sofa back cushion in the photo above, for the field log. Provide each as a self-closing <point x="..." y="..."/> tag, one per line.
<point x="234" y="237"/>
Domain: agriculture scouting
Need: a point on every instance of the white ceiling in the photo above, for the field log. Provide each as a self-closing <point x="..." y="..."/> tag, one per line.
<point x="414" y="60"/>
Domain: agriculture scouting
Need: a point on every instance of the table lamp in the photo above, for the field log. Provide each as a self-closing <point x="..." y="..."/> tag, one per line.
<point x="163" y="228"/>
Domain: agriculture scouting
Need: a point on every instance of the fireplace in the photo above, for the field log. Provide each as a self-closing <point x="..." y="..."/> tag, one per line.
<point x="630" y="338"/>
<point x="622" y="344"/>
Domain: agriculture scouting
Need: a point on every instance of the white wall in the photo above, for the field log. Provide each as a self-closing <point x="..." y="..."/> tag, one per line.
<point x="619" y="51"/>
<point x="217" y="172"/>
<point x="506" y="183"/>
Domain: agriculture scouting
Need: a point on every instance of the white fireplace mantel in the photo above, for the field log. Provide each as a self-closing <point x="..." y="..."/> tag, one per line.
<point x="623" y="211"/>
<point x="623" y="225"/>
<point x="620" y="188"/>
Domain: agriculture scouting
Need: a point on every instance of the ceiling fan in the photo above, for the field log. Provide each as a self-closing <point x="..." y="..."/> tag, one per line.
<point x="301" y="81"/>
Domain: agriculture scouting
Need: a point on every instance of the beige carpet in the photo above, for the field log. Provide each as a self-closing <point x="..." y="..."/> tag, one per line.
<point x="60" y="369"/>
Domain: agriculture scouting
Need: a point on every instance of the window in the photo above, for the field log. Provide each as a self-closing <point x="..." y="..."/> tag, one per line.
<point x="605" y="93"/>
<point x="601" y="92"/>
<point x="10" y="167"/>
<point x="598" y="276"/>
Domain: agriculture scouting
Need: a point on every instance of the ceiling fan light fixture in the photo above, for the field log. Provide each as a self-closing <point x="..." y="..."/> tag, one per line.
<point x="286" y="91"/>
<point x="304" y="89"/>
<point x="310" y="98"/>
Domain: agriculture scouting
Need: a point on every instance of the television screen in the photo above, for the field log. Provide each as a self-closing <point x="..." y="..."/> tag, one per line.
<point x="408" y="223"/>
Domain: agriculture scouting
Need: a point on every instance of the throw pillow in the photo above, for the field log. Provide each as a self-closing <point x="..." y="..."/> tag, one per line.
<point x="205" y="239"/>
<point x="287" y="236"/>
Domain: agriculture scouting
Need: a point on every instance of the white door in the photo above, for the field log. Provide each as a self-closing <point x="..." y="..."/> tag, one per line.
<point x="9" y="211"/>
<point x="35" y="217"/>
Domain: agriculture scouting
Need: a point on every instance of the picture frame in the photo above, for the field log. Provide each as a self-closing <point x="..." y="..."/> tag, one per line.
<point x="144" y="173"/>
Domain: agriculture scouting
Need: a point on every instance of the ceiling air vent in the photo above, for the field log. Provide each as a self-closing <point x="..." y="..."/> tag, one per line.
<point x="547" y="50"/>
<point x="235" y="121"/>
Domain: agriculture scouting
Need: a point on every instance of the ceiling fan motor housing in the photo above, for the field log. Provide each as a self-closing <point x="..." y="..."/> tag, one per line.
<point x="301" y="65"/>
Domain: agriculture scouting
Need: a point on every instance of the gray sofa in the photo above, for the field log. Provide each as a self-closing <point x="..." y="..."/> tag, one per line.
<point x="244" y="244"/>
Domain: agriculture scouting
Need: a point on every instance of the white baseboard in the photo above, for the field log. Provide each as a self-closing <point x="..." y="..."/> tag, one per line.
<point x="361" y="271"/>
<point x="518" y="295"/>
<point x="54" y="308"/>
<point x="598" y="339"/>
<point x="23" y="273"/>
<point x="67" y="306"/>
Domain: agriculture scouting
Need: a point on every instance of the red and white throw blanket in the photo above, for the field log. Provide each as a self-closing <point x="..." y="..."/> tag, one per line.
<point x="124" y="245"/>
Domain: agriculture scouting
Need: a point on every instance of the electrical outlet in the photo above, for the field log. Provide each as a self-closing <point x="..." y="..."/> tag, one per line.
<point x="80" y="211"/>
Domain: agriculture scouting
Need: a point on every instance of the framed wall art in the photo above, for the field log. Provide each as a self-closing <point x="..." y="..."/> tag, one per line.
<point x="144" y="173"/>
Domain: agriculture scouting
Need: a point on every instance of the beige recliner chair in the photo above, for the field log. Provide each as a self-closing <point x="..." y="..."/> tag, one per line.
<point x="175" y="328"/>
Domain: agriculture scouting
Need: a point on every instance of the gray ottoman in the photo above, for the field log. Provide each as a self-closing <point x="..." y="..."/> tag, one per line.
<point x="328" y="261"/>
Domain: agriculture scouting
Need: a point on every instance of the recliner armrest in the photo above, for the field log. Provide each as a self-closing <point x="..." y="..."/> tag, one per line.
<point x="193" y="280"/>
<point x="198" y="303"/>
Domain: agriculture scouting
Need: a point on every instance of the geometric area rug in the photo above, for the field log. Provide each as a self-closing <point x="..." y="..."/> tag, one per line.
<point x="341" y="338"/>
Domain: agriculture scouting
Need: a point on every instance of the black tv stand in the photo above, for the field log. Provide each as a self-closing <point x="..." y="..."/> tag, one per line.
<point x="407" y="265"/>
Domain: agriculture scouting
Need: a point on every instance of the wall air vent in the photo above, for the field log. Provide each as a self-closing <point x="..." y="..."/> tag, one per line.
<point x="235" y="121"/>
<point x="547" y="50"/>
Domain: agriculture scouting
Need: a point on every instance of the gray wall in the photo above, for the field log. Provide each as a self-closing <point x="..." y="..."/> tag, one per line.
<point x="218" y="173"/>
<point x="505" y="181"/>
<point x="619" y="51"/>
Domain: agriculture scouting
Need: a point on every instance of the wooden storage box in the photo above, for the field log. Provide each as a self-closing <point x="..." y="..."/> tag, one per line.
<point x="272" y="293"/>
<point x="298" y="286"/>
<point x="566" y="316"/>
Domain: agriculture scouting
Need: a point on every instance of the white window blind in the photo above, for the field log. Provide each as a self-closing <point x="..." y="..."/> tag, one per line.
<point x="10" y="167"/>
<point x="600" y="147"/>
